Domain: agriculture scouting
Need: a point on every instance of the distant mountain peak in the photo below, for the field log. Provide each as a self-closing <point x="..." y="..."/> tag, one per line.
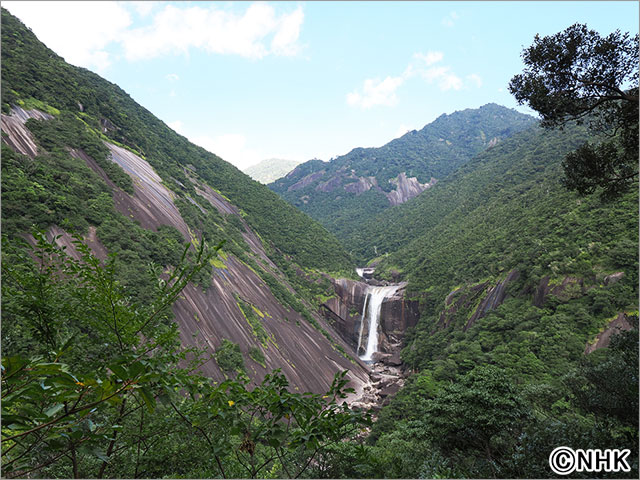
<point x="269" y="170"/>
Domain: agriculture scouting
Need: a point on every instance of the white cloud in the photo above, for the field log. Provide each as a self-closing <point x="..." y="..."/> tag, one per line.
<point x="84" y="33"/>
<point x="177" y="30"/>
<point x="285" y="41"/>
<point x="231" y="147"/>
<point x="449" y="20"/>
<point x="78" y="31"/>
<point x="475" y="78"/>
<point x="446" y="79"/>
<point x="172" y="77"/>
<point x="376" y="92"/>
<point x="430" y="57"/>
<point x="143" y="8"/>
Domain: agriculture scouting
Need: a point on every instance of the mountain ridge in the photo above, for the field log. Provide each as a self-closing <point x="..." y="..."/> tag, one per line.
<point x="355" y="186"/>
<point x="80" y="156"/>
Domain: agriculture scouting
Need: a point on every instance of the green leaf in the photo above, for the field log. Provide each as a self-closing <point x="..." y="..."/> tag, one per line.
<point x="51" y="411"/>
<point x="148" y="398"/>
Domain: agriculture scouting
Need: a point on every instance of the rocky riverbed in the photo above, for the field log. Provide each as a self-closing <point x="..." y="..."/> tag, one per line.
<point x="384" y="381"/>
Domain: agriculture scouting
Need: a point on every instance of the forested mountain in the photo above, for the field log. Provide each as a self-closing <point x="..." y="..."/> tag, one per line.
<point x="516" y="273"/>
<point x="161" y="310"/>
<point x="269" y="170"/>
<point x="79" y="156"/>
<point x="349" y="190"/>
<point x="142" y="274"/>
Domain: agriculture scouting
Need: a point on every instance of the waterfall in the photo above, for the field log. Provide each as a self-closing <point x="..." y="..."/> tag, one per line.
<point x="374" y="298"/>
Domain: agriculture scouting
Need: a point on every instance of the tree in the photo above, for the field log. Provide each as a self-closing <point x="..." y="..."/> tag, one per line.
<point x="577" y="75"/>
<point x="95" y="384"/>
<point x="80" y="356"/>
<point x="477" y="420"/>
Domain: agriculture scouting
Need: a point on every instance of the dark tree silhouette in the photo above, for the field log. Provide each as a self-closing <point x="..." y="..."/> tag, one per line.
<point x="577" y="75"/>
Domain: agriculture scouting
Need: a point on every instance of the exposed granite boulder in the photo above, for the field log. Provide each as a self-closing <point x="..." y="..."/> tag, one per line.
<point x="568" y="288"/>
<point x="406" y="188"/>
<point x="344" y="313"/>
<point x="205" y="318"/>
<point x="460" y="299"/>
<point x="619" y="324"/>
<point x="305" y="181"/>
<point x="397" y="314"/>
<point x="492" y="299"/>
<point x="362" y="185"/>
<point x="16" y="134"/>
<point x="329" y="185"/>
<point x="613" y="278"/>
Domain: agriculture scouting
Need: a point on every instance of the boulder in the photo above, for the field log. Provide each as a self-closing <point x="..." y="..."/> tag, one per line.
<point x="613" y="278"/>
<point x="602" y="340"/>
<point x="393" y="360"/>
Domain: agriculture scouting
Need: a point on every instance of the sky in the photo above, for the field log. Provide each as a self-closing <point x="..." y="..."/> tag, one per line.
<point x="300" y="80"/>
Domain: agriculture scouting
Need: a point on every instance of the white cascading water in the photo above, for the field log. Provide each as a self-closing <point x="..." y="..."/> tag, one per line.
<point x="374" y="298"/>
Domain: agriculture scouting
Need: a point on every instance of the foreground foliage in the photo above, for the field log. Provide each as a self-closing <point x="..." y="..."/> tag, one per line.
<point x="97" y="385"/>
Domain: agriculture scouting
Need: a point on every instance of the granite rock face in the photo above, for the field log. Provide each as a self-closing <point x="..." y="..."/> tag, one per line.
<point x="205" y="318"/>
<point x="16" y="134"/>
<point x="619" y="324"/>
<point x="406" y="188"/>
<point x="344" y="310"/>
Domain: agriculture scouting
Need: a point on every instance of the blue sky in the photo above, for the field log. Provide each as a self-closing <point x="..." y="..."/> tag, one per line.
<point x="302" y="80"/>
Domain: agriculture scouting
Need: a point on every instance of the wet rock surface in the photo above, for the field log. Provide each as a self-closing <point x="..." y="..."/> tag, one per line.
<point x="344" y="313"/>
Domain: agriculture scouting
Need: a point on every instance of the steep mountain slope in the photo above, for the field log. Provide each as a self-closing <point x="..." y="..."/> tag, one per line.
<point x="348" y="190"/>
<point x="270" y="170"/>
<point x="502" y="252"/>
<point x="521" y="284"/>
<point x="79" y="154"/>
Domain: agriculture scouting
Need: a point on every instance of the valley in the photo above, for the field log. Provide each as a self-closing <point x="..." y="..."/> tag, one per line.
<point x="447" y="305"/>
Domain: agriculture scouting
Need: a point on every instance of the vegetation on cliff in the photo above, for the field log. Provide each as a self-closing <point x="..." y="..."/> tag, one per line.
<point x="496" y="387"/>
<point x="96" y="384"/>
<point x="31" y="71"/>
<point x="435" y="151"/>
<point x="95" y="381"/>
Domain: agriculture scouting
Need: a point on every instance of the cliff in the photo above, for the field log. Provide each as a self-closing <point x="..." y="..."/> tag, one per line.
<point x="344" y="313"/>
<point x="206" y="317"/>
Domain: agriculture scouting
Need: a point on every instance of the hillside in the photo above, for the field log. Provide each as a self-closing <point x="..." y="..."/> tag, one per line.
<point x="345" y="192"/>
<point x="270" y="170"/>
<point x="521" y="284"/>
<point x="79" y="156"/>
